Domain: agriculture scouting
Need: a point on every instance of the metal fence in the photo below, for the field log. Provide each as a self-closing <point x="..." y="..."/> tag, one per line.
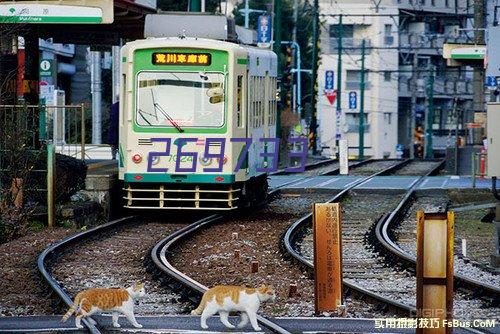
<point x="30" y="132"/>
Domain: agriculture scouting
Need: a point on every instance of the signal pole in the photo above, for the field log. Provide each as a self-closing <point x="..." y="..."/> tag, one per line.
<point x="362" y="105"/>
<point x="413" y="104"/>
<point x="429" y="153"/>
<point x="314" y="77"/>
<point x="277" y="50"/>
<point x="339" y="83"/>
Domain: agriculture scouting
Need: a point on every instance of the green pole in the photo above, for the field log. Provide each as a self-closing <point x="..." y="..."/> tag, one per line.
<point x="429" y="153"/>
<point x="195" y="5"/>
<point x="339" y="83"/>
<point x="362" y="105"/>
<point x="277" y="50"/>
<point x="51" y="171"/>
<point x="314" y="77"/>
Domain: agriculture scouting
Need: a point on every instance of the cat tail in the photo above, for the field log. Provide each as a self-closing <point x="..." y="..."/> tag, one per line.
<point x="73" y="308"/>
<point x="201" y="307"/>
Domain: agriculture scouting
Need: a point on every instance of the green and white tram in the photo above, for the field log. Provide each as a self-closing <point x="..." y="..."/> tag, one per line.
<point x="188" y="109"/>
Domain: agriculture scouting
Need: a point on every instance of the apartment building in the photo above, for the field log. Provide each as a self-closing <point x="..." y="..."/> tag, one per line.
<point x="403" y="40"/>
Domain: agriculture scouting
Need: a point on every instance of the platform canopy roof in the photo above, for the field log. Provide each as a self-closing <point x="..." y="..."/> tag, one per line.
<point x="97" y="22"/>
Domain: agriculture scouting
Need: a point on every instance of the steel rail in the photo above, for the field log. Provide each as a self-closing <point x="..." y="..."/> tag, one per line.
<point x="382" y="234"/>
<point x="162" y="249"/>
<point x="292" y="233"/>
<point x="53" y="249"/>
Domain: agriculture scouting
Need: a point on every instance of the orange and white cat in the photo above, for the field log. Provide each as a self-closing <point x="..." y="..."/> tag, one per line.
<point x="115" y="301"/>
<point x="227" y="298"/>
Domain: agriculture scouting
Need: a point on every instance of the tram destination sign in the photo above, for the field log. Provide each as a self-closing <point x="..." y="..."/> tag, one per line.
<point x="182" y="58"/>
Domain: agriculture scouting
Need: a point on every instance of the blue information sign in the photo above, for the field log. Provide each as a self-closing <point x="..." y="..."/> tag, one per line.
<point x="329" y="80"/>
<point x="264" y="29"/>
<point x="353" y="100"/>
<point x="491" y="81"/>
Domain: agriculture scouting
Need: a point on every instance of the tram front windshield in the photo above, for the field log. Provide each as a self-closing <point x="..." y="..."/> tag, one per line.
<point x="180" y="99"/>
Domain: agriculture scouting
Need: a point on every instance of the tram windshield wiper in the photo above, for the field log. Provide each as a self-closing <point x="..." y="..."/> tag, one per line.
<point x="164" y="113"/>
<point x="141" y="113"/>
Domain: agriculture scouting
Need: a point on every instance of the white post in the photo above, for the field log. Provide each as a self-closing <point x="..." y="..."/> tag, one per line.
<point x="343" y="157"/>
<point x="115" y="51"/>
<point x="96" y="91"/>
<point x="464" y="247"/>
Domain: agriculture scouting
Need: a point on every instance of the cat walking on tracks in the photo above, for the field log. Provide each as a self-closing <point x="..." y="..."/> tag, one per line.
<point x="116" y="301"/>
<point x="227" y="298"/>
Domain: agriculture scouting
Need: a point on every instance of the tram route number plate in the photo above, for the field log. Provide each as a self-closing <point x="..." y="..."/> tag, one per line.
<point x="327" y="256"/>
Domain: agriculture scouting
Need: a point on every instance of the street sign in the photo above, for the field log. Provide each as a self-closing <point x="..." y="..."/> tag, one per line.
<point x="264" y="30"/>
<point x="329" y="77"/>
<point x="331" y="95"/>
<point x="353" y="100"/>
<point x="72" y="11"/>
<point x="46" y="67"/>
<point x="327" y="235"/>
<point x="338" y="115"/>
<point x="491" y="81"/>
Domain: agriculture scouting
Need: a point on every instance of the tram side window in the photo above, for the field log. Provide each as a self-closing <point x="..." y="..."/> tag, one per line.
<point x="239" y="93"/>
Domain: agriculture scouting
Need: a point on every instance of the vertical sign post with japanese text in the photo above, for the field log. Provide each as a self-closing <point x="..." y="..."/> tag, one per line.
<point x="327" y="233"/>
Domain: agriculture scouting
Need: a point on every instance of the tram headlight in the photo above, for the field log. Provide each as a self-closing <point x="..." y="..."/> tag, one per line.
<point x="137" y="158"/>
<point x="204" y="161"/>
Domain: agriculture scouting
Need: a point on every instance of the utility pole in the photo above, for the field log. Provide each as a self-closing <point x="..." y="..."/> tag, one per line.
<point x="478" y="75"/>
<point x="314" y="77"/>
<point x="413" y="106"/>
<point x="361" y="144"/>
<point x="338" y="112"/>
<point x="247" y="14"/>
<point x="429" y="153"/>
<point x="194" y="5"/>
<point x="96" y="92"/>
<point x="277" y="50"/>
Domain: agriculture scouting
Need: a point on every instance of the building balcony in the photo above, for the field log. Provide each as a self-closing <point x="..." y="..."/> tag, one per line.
<point x="352" y="45"/>
<point x="434" y="42"/>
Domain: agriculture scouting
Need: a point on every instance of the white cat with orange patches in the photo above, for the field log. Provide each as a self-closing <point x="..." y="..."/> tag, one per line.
<point x="223" y="299"/>
<point x="115" y="301"/>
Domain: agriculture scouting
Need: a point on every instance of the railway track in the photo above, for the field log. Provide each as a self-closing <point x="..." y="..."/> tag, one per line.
<point x="100" y="256"/>
<point x="358" y="232"/>
<point x="477" y="292"/>
<point x="191" y="288"/>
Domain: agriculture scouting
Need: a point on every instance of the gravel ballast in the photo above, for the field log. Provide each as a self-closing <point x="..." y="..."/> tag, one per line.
<point x="117" y="259"/>
<point x="22" y="289"/>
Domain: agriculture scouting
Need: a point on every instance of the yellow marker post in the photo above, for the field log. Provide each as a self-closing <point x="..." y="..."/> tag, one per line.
<point x="434" y="271"/>
<point x="327" y="256"/>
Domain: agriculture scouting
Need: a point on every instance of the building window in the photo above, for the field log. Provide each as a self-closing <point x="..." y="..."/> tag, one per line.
<point x="387" y="76"/>
<point x="388" y="117"/>
<point x="388" y="38"/>
<point x="355" y="75"/>
<point x="422" y="2"/>
<point x="447" y="3"/>
<point x="433" y="3"/>
<point x="347" y="31"/>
